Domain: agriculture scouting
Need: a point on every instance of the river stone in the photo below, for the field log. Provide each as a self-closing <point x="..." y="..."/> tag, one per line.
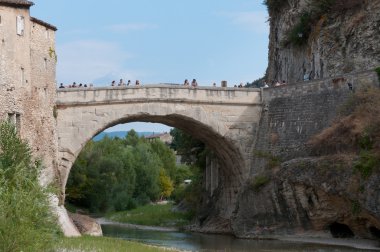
<point x="86" y="225"/>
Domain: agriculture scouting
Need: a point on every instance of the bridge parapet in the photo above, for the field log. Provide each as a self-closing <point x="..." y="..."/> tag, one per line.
<point x="158" y="93"/>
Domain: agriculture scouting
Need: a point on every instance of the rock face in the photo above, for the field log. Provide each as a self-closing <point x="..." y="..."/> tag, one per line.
<point x="342" y="39"/>
<point x="305" y="195"/>
<point x="86" y="225"/>
<point x="311" y="195"/>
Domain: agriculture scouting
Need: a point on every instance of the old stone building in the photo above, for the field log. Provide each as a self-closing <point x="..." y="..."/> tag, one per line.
<point x="27" y="79"/>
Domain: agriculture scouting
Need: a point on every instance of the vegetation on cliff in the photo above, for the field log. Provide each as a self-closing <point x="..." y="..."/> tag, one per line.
<point x="378" y="72"/>
<point x="26" y="220"/>
<point x="274" y="6"/>
<point x="355" y="131"/>
<point x="311" y="18"/>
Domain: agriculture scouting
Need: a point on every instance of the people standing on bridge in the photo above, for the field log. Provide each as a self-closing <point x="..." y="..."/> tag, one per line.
<point x="61" y="86"/>
<point x="137" y="83"/>
<point x="121" y="83"/>
<point x="74" y="85"/>
<point x="113" y="83"/>
<point x="186" y="83"/>
<point x="129" y="82"/>
<point x="214" y="84"/>
<point x="194" y="83"/>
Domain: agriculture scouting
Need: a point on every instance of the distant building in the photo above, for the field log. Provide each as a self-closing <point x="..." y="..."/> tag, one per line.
<point x="164" y="137"/>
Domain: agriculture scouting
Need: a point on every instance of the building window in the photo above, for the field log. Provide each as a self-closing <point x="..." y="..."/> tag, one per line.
<point x="47" y="34"/>
<point x="20" y="23"/>
<point x="15" y="119"/>
<point x="22" y="76"/>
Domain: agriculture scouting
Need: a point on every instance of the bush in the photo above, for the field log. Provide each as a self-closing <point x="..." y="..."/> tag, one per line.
<point x="356" y="129"/>
<point x="259" y="181"/>
<point x="26" y="222"/>
<point x="367" y="162"/>
<point x="272" y="161"/>
<point x="299" y="34"/>
<point x="378" y="72"/>
<point x="274" y="6"/>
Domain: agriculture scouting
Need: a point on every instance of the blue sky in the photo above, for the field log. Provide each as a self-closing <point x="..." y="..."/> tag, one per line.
<point x="157" y="41"/>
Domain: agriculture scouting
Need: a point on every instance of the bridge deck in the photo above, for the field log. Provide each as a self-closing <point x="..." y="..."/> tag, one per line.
<point x="157" y="93"/>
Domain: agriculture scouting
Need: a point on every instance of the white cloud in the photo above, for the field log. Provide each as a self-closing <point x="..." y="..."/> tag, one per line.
<point x="251" y="20"/>
<point x="126" y="28"/>
<point x="88" y="60"/>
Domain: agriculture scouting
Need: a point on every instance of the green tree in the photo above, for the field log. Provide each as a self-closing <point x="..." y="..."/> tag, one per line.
<point x="166" y="156"/>
<point x="166" y="185"/>
<point x="26" y="221"/>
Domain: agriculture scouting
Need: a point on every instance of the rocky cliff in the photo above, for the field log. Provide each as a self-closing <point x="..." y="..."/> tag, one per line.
<point x="318" y="39"/>
<point x="317" y="162"/>
<point x="311" y="196"/>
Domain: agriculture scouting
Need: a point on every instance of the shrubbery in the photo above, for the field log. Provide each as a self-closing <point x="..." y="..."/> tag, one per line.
<point x="299" y="34"/>
<point x="26" y="221"/>
<point x="259" y="181"/>
<point x="274" y="6"/>
<point x="357" y="130"/>
<point x="377" y="70"/>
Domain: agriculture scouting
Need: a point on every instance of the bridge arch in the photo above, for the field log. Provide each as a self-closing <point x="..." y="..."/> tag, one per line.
<point x="219" y="118"/>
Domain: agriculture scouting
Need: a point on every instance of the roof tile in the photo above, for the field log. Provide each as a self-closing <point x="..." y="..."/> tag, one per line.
<point x="17" y="3"/>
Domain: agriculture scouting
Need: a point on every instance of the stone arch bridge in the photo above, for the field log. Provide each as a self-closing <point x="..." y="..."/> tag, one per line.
<point x="225" y="119"/>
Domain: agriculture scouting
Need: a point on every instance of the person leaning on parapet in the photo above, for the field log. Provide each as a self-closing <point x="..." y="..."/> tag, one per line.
<point x="113" y="83"/>
<point x="194" y="83"/>
<point x="186" y="83"/>
<point x="240" y="85"/>
<point x="121" y="83"/>
<point x="61" y="86"/>
<point x="137" y="83"/>
<point x="129" y="82"/>
<point x="214" y="84"/>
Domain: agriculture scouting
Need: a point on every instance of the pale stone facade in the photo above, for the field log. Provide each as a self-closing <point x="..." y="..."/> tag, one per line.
<point x="27" y="87"/>
<point x="27" y="80"/>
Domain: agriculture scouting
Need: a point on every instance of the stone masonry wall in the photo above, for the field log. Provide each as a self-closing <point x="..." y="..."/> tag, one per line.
<point x="294" y="113"/>
<point x="39" y="100"/>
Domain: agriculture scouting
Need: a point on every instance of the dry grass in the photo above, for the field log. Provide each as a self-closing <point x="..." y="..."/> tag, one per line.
<point x="357" y="128"/>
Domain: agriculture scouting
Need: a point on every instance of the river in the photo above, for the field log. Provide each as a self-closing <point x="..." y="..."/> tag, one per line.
<point x="214" y="243"/>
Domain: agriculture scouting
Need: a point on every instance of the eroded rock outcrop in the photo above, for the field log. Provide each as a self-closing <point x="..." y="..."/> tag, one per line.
<point x="322" y="38"/>
<point x="310" y="196"/>
<point x="86" y="225"/>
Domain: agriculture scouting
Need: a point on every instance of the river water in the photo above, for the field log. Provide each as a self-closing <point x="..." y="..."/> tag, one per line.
<point x="214" y="243"/>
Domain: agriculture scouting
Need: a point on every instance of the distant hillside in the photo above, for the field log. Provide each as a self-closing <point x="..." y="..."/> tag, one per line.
<point x="119" y="134"/>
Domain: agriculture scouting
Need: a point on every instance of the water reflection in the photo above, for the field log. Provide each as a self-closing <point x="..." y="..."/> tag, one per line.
<point x="213" y="243"/>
